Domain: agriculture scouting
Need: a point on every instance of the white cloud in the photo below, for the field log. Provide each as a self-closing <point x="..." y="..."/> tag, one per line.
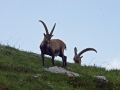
<point x="114" y="64"/>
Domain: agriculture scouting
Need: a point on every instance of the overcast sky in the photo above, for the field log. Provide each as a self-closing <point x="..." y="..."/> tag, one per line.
<point x="79" y="23"/>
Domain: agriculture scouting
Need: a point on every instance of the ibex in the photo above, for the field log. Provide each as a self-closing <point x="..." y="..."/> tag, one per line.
<point x="77" y="57"/>
<point x="52" y="47"/>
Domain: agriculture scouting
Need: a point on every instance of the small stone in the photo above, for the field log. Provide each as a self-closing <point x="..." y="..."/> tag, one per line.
<point x="102" y="78"/>
<point x="36" y="76"/>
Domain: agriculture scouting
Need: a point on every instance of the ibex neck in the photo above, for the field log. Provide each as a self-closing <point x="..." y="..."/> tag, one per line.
<point x="44" y="44"/>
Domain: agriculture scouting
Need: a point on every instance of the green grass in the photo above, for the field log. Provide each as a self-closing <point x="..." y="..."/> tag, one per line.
<point x="18" y="68"/>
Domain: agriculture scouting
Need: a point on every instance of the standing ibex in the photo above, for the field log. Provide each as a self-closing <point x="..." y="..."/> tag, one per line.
<point x="77" y="57"/>
<point x="52" y="47"/>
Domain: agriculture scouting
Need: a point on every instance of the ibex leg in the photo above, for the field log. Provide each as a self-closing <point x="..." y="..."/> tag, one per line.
<point x="42" y="55"/>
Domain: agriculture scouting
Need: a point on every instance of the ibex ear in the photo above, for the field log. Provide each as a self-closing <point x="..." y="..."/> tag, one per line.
<point x="81" y="56"/>
<point x="51" y="35"/>
<point x="44" y="34"/>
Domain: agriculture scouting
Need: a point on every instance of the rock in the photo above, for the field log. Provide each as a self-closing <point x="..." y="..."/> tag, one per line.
<point x="73" y="74"/>
<point x="102" y="78"/>
<point x="57" y="69"/>
<point x="101" y="82"/>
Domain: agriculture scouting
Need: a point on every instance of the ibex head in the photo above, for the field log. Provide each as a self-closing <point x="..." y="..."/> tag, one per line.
<point x="77" y="57"/>
<point x="47" y="36"/>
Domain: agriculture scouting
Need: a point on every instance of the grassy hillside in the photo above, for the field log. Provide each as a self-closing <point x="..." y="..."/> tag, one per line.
<point x="18" y="68"/>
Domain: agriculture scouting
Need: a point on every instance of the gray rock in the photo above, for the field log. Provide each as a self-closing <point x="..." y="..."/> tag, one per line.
<point x="61" y="70"/>
<point x="102" y="78"/>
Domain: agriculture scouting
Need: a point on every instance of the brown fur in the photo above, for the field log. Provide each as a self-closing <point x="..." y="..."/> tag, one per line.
<point x="52" y="47"/>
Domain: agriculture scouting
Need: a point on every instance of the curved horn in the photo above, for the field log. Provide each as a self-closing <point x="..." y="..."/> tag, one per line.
<point x="75" y="51"/>
<point x="52" y="29"/>
<point x="44" y="26"/>
<point x="85" y="50"/>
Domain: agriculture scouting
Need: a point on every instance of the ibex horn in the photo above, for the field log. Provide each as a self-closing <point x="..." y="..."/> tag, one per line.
<point x="44" y="26"/>
<point x="52" y="29"/>
<point x="75" y="51"/>
<point x="85" y="50"/>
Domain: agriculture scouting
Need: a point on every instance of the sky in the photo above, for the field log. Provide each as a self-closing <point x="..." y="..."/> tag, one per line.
<point x="79" y="23"/>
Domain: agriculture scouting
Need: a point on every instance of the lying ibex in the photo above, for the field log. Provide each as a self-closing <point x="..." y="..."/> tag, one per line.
<point x="77" y="57"/>
<point x="52" y="47"/>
